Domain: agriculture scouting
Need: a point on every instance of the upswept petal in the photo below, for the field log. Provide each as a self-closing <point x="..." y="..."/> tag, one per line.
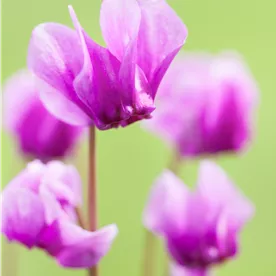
<point x="52" y="207"/>
<point x="90" y="248"/>
<point x="166" y="204"/>
<point x="61" y="107"/>
<point x="120" y="20"/>
<point x="55" y="57"/>
<point x="22" y="215"/>
<point x="235" y="92"/>
<point x="161" y="35"/>
<point x="29" y="178"/>
<point x="75" y="247"/>
<point x="216" y="187"/>
<point x="104" y="95"/>
<point x="64" y="182"/>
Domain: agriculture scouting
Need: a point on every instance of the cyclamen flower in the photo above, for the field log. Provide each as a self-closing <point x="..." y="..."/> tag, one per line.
<point x="206" y="105"/>
<point x="38" y="210"/>
<point x="200" y="228"/>
<point x="39" y="134"/>
<point x="84" y="83"/>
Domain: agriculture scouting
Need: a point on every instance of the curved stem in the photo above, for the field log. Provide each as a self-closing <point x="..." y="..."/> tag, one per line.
<point x="174" y="165"/>
<point x="80" y="219"/>
<point x="149" y="254"/>
<point x="92" y="190"/>
<point x="150" y="249"/>
<point x="175" y="162"/>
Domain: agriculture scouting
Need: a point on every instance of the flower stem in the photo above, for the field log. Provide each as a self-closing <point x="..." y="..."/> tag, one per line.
<point x="175" y="162"/>
<point x="149" y="254"/>
<point x="92" y="190"/>
<point x="150" y="249"/>
<point x="174" y="165"/>
<point x="80" y="218"/>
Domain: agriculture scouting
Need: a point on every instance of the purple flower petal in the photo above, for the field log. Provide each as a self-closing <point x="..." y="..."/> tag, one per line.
<point x="166" y="204"/>
<point x="102" y="90"/>
<point x="22" y="215"/>
<point x="90" y="250"/>
<point x="52" y="208"/>
<point x="64" y="182"/>
<point x="177" y="270"/>
<point x="55" y="58"/>
<point x="216" y="187"/>
<point x="18" y="96"/>
<point x="29" y="178"/>
<point x="75" y="247"/>
<point x="161" y="36"/>
<point x="120" y="20"/>
<point x="38" y="133"/>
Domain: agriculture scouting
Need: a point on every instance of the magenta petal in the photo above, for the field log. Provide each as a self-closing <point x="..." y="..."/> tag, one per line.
<point x="38" y="133"/>
<point x="83" y="83"/>
<point x="104" y="95"/>
<point x="52" y="207"/>
<point x="166" y="204"/>
<point x="22" y="215"/>
<point x="55" y="57"/>
<point x="64" y="182"/>
<point x="120" y="21"/>
<point x="62" y="107"/>
<point x="15" y="106"/>
<point x="161" y="36"/>
<point x="30" y="177"/>
<point x="217" y="188"/>
<point x="84" y="249"/>
<point x="177" y="270"/>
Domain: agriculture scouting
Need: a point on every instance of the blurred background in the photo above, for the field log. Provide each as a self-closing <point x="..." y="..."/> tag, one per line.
<point x="129" y="159"/>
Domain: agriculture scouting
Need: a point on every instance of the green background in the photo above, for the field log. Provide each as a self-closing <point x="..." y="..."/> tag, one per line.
<point x="129" y="159"/>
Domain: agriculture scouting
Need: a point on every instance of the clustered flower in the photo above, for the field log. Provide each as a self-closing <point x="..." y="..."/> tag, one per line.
<point x="204" y="106"/>
<point x="39" y="210"/>
<point x="200" y="227"/>
<point x="39" y="134"/>
<point x="84" y="83"/>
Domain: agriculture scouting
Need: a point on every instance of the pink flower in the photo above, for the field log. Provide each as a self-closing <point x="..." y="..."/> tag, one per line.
<point x="38" y="133"/>
<point x="85" y="83"/>
<point x="38" y="210"/>
<point x="206" y="105"/>
<point x="200" y="228"/>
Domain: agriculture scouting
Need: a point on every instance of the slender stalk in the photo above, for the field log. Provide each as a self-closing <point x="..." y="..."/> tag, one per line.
<point x="150" y="248"/>
<point x="174" y="166"/>
<point x="175" y="162"/>
<point x="10" y="251"/>
<point x="149" y="254"/>
<point x="92" y="190"/>
<point x="80" y="218"/>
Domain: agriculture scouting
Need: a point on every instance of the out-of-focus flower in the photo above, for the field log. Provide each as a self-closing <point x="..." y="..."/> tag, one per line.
<point x="85" y="83"/>
<point x="38" y="210"/>
<point x="200" y="228"/>
<point x="177" y="270"/>
<point x="38" y="133"/>
<point x="206" y="104"/>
